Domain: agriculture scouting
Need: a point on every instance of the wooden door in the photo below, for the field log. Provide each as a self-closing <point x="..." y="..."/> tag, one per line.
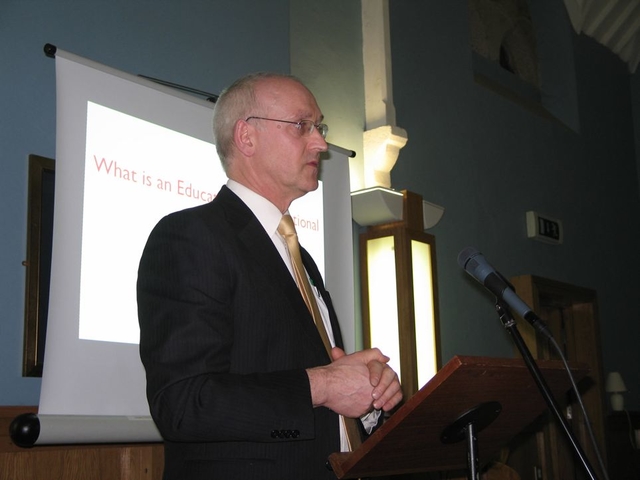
<point x="543" y="453"/>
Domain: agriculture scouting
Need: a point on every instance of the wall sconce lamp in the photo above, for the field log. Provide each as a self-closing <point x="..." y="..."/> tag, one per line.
<point x="616" y="387"/>
<point x="399" y="294"/>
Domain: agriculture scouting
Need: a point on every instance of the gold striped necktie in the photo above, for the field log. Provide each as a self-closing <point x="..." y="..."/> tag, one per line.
<point x="287" y="229"/>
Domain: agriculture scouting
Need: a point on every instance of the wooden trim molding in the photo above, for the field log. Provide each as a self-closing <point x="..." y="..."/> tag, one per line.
<point x="75" y="462"/>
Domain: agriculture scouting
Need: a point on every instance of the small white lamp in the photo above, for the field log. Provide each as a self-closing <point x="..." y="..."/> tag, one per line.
<point x="615" y="386"/>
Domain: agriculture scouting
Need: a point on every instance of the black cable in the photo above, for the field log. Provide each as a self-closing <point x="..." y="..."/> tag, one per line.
<point x="50" y="51"/>
<point x="584" y="411"/>
<point x="209" y="97"/>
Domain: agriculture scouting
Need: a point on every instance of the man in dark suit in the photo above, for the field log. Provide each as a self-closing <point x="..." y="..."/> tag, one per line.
<point x="239" y="381"/>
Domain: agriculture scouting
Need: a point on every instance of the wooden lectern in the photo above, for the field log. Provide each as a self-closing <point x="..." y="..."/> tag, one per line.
<point x="416" y="438"/>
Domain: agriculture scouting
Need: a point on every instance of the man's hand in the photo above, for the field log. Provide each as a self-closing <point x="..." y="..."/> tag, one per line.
<point x="354" y="384"/>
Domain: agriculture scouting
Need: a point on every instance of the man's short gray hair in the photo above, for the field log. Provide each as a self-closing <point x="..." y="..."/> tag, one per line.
<point x="237" y="102"/>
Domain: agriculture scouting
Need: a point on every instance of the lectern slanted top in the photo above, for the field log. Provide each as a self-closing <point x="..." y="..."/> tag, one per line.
<point x="410" y="440"/>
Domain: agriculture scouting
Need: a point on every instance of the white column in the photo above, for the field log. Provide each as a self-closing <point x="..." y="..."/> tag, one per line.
<point x="382" y="138"/>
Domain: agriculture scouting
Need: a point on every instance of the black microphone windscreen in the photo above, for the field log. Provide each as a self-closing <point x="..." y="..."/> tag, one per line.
<point x="465" y="255"/>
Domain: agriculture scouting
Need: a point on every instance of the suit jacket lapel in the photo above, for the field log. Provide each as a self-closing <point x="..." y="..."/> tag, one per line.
<point x="316" y="277"/>
<point x="264" y="253"/>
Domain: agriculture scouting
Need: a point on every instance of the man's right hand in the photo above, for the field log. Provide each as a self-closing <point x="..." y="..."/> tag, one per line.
<point x="352" y="385"/>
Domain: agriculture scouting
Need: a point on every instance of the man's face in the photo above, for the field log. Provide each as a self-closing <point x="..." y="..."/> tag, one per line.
<point x="287" y="158"/>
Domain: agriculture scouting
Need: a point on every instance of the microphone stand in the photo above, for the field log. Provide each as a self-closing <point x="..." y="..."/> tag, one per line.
<point x="509" y="323"/>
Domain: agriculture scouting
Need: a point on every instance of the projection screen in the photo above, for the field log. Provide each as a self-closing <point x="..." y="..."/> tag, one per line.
<point x="129" y="151"/>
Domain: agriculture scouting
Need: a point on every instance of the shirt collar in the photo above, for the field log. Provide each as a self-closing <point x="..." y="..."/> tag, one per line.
<point x="266" y="212"/>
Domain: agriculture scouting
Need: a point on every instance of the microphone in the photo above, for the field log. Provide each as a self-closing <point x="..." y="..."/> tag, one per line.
<point x="474" y="263"/>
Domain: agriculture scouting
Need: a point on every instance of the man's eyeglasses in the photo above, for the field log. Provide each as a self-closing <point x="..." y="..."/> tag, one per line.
<point x="305" y="127"/>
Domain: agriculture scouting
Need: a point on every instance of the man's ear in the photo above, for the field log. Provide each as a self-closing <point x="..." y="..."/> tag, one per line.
<point x="243" y="137"/>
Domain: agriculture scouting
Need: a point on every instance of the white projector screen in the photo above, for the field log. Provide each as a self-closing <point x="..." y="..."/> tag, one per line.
<point x="128" y="152"/>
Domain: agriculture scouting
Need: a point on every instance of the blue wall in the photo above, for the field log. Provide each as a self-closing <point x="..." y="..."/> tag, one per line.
<point x="484" y="158"/>
<point x="201" y="44"/>
<point x="488" y="160"/>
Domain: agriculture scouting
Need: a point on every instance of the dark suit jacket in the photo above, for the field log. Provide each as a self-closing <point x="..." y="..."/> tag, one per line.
<point x="225" y="338"/>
